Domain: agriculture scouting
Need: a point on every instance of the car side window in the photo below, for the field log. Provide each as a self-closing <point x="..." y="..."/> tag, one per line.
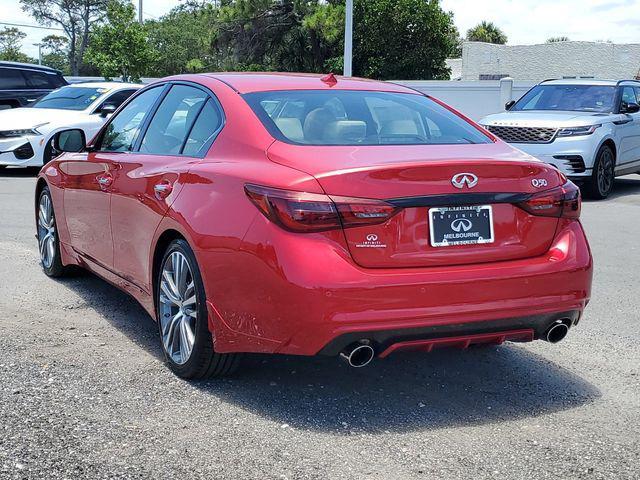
<point x="629" y="95"/>
<point x="121" y="133"/>
<point x="117" y="98"/>
<point x="172" y="121"/>
<point x="39" y="80"/>
<point x="11" y="79"/>
<point x="205" y="128"/>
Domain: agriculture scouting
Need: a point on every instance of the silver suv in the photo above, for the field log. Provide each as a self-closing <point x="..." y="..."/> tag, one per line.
<point x="589" y="129"/>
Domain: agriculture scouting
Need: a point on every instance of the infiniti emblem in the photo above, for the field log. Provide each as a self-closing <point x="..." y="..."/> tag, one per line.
<point x="372" y="237"/>
<point x="459" y="180"/>
<point x="461" y="225"/>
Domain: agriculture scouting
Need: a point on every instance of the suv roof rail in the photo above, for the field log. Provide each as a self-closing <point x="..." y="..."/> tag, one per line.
<point x="548" y="80"/>
<point x="28" y="66"/>
<point x="620" y="82"/>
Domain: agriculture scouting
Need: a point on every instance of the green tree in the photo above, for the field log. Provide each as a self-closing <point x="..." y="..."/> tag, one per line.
<point x="557" y="39"/>
<point x="402" y="39"/>
<point x="10" y="45"/>
<point x="486" y="32"/>
<point x="55" y="52"/>
<point x="119" y="47"/>
<point x="75" y="17"/>
<point x="182" y="40"/>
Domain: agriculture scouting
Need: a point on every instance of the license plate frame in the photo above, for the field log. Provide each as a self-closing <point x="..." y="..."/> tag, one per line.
<point x="464" y="237"/>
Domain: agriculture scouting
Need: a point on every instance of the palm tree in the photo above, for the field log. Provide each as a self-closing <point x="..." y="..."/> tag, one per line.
<point x="486" y="32"/>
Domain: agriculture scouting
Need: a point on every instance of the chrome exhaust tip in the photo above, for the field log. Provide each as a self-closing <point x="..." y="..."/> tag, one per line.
<point x="358" y="355"/>
<point x="557" y="331"/>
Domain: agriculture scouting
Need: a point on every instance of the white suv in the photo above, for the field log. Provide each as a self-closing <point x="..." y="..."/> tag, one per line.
<point x="589" y="129"/>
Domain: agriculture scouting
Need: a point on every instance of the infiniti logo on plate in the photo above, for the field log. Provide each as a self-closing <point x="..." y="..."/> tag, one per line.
<point x="461" y="225"/>
<point x="459" y="180"/>
<point x="372" y="237"/>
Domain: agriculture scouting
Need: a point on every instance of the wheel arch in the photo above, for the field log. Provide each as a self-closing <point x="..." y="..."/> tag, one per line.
<point x="609" y="142"/>
<point x="40" y="185"/>
<point x="161" y="244"/>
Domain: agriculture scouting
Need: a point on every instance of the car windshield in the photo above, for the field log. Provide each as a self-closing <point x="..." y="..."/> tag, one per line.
<point x="574" y="98"/>
<point x="348" y="117"/>
<point x="70" y="98"/>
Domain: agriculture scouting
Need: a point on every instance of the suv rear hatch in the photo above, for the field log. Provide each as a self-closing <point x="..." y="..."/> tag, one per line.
<point x="491" y="215"/>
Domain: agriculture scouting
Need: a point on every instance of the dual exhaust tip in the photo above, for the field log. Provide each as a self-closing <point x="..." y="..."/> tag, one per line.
<point x="557" y="331"/>
<point x="360" y="354"/>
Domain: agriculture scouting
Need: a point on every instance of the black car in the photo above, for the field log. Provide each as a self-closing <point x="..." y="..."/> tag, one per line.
<point x="23" y="83"/>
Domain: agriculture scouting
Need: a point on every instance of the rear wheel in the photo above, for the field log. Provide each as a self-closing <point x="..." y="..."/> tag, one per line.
<point x="600" y="185"/>
<point x="48" y="243"/>
<point x="183" y="319"/>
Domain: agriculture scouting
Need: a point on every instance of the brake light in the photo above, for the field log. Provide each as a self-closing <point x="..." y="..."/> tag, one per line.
<point x="558" y="202"/>
<point x="313" y="212"/>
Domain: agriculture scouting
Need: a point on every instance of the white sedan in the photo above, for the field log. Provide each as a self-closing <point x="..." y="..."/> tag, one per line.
<point x="26" y="133"/>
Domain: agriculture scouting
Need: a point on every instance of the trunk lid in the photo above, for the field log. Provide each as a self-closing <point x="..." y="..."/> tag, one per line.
<point x="418" y="179"/>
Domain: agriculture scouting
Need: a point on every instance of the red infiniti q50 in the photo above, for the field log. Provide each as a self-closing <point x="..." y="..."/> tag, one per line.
<point x="307" y="215"/>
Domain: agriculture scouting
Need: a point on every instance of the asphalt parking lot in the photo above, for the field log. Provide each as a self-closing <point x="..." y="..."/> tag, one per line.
<point x="84" y="392"/>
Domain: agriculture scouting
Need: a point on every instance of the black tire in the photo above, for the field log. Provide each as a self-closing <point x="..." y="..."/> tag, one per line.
<point x="600" y="184"/>
<point x="203" y="362"/>
<point x="47" y="235"/>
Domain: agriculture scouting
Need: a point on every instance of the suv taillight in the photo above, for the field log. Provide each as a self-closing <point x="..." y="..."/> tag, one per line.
<point x="558" y="202"/>
<point x="313" y="212"/>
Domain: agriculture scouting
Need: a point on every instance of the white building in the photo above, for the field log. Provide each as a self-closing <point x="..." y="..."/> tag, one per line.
<point x="486" y="61"/>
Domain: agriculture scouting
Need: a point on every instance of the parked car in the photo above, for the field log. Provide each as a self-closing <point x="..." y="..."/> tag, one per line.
<point x="310" y="215"/>
<point x="589" y="129"/>
<point x="26" y="133"/>
<point x="22" y="83"/>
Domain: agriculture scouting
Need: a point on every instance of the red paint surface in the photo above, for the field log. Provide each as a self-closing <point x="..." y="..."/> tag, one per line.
<point x="272" y="290"/>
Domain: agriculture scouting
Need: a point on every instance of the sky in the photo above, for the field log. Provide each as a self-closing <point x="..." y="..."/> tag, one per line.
<point x="524" y="21"/>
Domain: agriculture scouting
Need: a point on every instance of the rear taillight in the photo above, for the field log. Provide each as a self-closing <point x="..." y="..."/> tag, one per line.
<point x="313" y="212"/>
<point x="558" y="202"/>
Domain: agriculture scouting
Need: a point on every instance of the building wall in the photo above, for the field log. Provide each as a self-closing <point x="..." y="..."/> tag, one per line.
<point x="551" y="60"/>
<point x="474" y="99"/>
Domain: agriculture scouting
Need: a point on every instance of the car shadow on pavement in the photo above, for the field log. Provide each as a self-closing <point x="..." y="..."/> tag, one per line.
<point x="623" y="186"/>
<point x="445" y="388"/>
<point x="19" y="172"/>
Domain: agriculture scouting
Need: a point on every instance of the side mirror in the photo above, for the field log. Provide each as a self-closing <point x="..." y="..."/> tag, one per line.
<point x="72" y="140"/>
<point x="509" y="104"/>
<point x="107" y="109"/>
<point x="629" y="108"/>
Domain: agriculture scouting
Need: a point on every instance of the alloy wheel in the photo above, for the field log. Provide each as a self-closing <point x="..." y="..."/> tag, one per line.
<point x="46" y="231"/>
<point x="178" y="308"/>
<point x="605" y="173"/>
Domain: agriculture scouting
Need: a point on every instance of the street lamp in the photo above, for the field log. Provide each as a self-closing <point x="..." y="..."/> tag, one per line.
<point x="39" y="45"/>
<point x="348" y="39"/>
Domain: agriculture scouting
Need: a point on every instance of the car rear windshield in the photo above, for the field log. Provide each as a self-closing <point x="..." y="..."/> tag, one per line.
<point x="70" y="98"/>
<point x="573" y="98"/>
<point x="356" y="117"/>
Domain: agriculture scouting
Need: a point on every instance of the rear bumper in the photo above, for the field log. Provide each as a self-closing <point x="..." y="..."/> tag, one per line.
<point x="291" y="303"/>
<point x="521" y="329"/>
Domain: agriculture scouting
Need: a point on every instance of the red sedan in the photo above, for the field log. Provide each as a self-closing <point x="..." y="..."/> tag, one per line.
<point x="311" y="215"/>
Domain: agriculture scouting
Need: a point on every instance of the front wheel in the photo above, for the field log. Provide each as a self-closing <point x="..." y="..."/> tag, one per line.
<point x="48" y="242"/>
<point x="600" y="184"/>
<point x="183" y="319"/>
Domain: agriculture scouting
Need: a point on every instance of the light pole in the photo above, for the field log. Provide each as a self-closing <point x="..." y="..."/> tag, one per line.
<point x="140" y="11"/>
<point x="348" y="39"/>
<point x="39" y="45"/>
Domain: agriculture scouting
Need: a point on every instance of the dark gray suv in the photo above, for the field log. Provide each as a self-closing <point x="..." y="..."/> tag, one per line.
<point x="23" y="83"/>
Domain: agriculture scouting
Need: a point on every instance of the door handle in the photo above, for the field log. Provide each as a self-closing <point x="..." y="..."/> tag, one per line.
<point x="163" y="189"/>
<point x="104" y="180"/>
